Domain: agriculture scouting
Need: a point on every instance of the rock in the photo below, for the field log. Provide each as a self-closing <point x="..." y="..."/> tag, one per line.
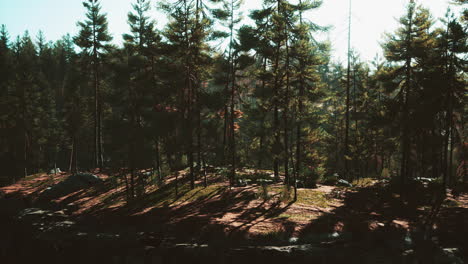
<point x="55" y="171"/>
<point x="63" y="224"/>
<point x="147" y="174"/>
<point x="71" y="184"/>
<point x="331" y="180"/>
<point x="88" y="178"/>
<point x="448" y="255"/>
<point x="383" y="181"/>
<point x="293" y="240"/>
<point x="265" y="181"/>
<point x="45" y="220"/>
<point x="240" y="183"/>
<point x="423" y="179"/>
<point x="343" y="183"/>
<point x="32" y="213"/>
<point x="40" y="213"/>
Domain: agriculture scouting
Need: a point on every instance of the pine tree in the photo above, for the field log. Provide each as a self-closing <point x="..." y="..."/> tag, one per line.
<point x="306" y="61"/>
<point x="231" y="18"/>
<point x="139" y="46"/>
<point x="27" y="107"/>
<point x="7" y="103"/>
<point x="409" y="45"/>
<point x="452" y="43"/>
<point x="188" y="33"/>
<point x="92" y="39"/>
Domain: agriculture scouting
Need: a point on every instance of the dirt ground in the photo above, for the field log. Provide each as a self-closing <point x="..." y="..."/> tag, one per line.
<point x="250" y="212"/>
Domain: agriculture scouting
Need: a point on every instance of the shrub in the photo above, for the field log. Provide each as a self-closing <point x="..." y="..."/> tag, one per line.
<point x="263" y="193"/>
<point x="257" y="177"/>
<point x="331" y="179"/>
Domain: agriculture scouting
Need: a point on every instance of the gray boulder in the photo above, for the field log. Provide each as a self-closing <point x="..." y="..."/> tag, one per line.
<point x="448" y="255"/>
<point x="343" y="183"/>
<point x="88" y="178"/>
<point x="71" y="184"/>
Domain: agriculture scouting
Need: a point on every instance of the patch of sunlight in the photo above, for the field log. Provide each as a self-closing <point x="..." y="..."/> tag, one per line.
<point x="304" y="196"/>
<point x="297" y="217"/>
<point x="363" y="182"/>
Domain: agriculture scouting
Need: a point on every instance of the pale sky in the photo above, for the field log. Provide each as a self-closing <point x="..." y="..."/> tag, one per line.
<point x="370" y="19"/>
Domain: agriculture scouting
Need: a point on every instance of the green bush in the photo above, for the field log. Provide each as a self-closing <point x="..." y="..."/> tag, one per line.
<point x="331" y="179"/>
<point x="311" y="176"/>
<point x="257" y="177"/>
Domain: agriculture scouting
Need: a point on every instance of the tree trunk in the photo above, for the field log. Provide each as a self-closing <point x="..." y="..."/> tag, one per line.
<point x="276" y="87"/>
<point x="262" y="128"/>
<point x="158" y="160"/>
<point x="285" y="115"/>
<point x="233" y="132"/>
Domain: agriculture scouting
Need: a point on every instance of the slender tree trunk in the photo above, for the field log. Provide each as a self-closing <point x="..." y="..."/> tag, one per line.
<point x="285" y="115"/>
<point x="75" y="159"/>
<point x="189" y="89"/>
<point x="205" y="181"/>
<point x="262" y="128"/>
<point x="226" y="112"/>
<point x="276" y="127"/>
<point x="233" y="135"/>
<point x="158" y="160"/>
<point x="176" y="184"/>
<point x="346" y="143"/>
<point x="72" y="154"/>
<point x="96" y="100"/>
<point x="299" y="134"/>
<point x="450" y="134"/>
<point x="357" y="157"/>
<point x="406" y="93"/>
<point x="199" y="137"/>
<point x="190" y="141"/>
<point x="225" y="129"/>
<point x="450" y="179"/>
<point x="101" y="144"/>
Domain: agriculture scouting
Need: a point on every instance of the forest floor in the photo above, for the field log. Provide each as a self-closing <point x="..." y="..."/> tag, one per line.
<point x="265" y="214"/>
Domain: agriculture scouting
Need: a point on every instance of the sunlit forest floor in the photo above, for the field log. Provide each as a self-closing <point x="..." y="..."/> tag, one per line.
<point x="257" y="213"/>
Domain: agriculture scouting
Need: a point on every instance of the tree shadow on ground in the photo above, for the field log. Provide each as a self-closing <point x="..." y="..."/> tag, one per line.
<point x="379" y="220"/>
<point x="192" y="215"/>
